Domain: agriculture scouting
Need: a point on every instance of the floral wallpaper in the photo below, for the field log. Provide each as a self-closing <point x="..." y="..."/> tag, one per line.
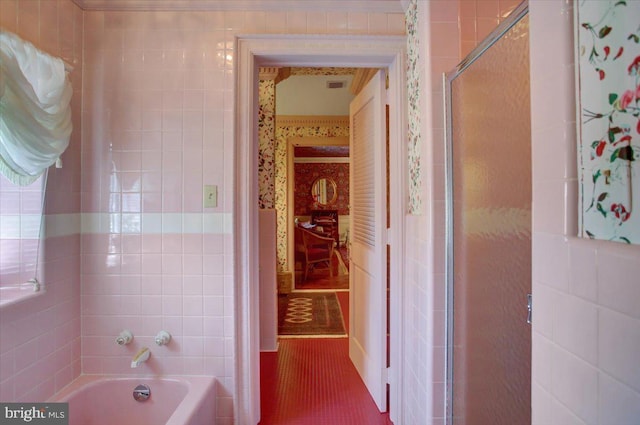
<point x="282" y="135"/>
<point x="323" y="71"/>
<point x="609" y="76"/>
<point x="413" y="95"/>
<point x="307" y="173"/>
<point x="266" y="138"/>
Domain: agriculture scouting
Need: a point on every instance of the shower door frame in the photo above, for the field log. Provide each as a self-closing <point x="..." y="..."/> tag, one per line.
<point x="518" y="13"/>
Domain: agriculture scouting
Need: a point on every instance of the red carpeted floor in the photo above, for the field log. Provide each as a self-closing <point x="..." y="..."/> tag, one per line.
<point x="313" y="382"/>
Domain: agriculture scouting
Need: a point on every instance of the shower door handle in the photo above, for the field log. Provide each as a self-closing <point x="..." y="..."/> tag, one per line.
<point x="529" y="308"/>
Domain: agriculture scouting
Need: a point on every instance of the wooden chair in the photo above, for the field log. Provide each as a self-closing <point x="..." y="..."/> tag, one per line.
<point x="328" y="220"/>
<point x="316" y="250"/>
<point x="329" y="227"/>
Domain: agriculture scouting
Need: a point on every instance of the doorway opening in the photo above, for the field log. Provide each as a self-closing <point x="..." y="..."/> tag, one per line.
<point x="317" y="204"/>
<point x="252" y="52"/>
<point x="318" y="201"/>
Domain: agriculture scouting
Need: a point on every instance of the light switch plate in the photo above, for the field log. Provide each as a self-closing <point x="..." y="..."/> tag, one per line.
<point x="210" y="196"/>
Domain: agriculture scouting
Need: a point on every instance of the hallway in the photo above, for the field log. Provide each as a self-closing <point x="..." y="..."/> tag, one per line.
<point x="311" y="381"/>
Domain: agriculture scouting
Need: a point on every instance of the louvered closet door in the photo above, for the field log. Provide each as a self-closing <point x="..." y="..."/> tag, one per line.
<point x="367" y="269"/>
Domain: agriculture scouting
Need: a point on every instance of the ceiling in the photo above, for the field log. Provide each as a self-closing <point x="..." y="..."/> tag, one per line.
<point x="385" y="6"/>
<point x="310" y="95"/>
<point x="313" y="90"/>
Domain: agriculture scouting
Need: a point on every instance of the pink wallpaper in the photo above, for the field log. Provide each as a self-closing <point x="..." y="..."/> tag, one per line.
<point x="306" y="174"/>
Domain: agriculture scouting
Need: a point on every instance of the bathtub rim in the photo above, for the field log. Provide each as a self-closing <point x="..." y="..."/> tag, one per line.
<point x="198" y="386"/>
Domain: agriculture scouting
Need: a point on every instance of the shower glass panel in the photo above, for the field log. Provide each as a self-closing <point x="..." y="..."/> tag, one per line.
<point x="489" y="221"/>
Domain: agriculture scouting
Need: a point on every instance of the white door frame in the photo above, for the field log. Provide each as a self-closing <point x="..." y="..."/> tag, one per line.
<point x="306" y="50"/>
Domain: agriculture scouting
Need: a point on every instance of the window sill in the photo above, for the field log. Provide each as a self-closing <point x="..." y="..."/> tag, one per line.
<point x="14" y="295"/>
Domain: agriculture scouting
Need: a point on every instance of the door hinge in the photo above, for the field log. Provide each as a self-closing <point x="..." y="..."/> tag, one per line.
<point x="387" y="236"/>
<point x="529" y="308"/>
<point x="387" y="375"/>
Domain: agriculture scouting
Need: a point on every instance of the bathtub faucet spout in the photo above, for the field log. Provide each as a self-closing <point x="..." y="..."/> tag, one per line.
<point x="141" y="357"/>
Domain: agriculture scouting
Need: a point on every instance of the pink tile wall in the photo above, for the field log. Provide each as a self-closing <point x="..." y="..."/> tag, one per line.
<point x="425" y="281"/>
<point x="477" y="18"/>
<point x="40" y="337"/>
<point x="158" y="124"/>
<point x="586" y="328"/>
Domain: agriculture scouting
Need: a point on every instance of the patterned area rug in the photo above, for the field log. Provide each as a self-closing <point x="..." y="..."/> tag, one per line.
<point x="310" y="314"/>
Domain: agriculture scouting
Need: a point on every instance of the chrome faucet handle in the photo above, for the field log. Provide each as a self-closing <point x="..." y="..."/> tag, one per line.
<point x="163" y="338"/>
<point x="124" y="338"/>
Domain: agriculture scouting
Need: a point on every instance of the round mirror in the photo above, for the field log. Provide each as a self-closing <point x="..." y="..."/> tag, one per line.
<point x="324" y="191"/>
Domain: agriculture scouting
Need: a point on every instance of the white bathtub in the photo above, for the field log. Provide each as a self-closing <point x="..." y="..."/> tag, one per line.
<point x="107" y="400"/>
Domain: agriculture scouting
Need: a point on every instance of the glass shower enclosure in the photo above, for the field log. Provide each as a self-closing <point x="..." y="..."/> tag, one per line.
<point x="489" y="231"/>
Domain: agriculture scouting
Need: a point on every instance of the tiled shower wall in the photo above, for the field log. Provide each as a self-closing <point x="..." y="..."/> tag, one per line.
<point x="478" y="18"/>
<point x="158" y="114"/>
<point x="40" y="350"/>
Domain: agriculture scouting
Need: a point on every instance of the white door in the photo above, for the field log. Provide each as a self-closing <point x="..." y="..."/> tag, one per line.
<point x="368" y="264"/>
